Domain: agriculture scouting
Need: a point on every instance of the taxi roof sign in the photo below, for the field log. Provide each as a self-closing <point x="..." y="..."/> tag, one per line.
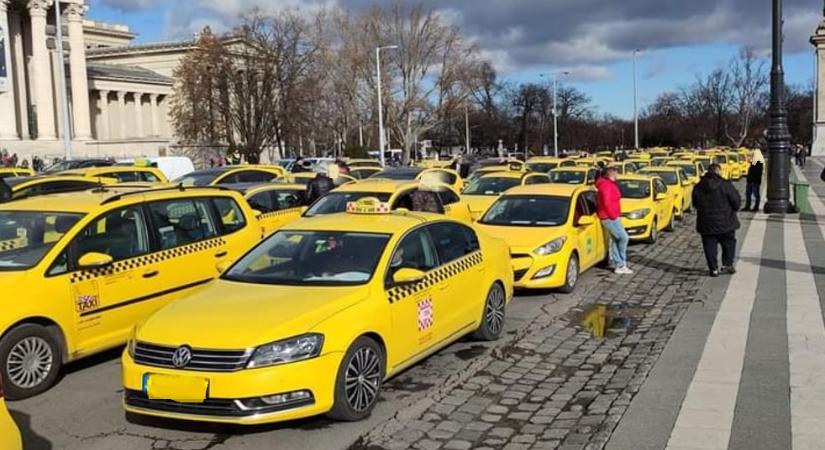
<point x="368" y="205"/>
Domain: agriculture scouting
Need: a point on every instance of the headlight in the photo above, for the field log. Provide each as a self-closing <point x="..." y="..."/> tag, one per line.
<point x="289" y="350"/>
<point x="638" y="214"/>
<point x="130" y="344"/>
<point x="551" y="247"/>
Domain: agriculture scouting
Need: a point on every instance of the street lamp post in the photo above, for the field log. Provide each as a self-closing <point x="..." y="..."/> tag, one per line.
<point x="555" y="76"/>
<point x="467" y="129"/>
<point x="380" y="103"/>
<point x="779" y="138"/>
<point x="635" y="100"/>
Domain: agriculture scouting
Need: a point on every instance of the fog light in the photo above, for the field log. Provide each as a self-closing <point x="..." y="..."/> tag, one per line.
<point x="545" y="272"/>
<point x="287" y="399"/>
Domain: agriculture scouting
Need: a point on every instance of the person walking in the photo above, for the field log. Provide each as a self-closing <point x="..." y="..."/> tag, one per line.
<point x="754" y="181"/>
<point x="319" y="187"/>
<point x="609" y="211"/>
<point x="716" y="201"/>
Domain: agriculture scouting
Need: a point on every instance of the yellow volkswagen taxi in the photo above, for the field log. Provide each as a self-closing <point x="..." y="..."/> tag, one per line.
<point x="317" y="316"/>
<point x="12" y="172"/>
<point x="545" y="164"/>
<point x="647" y="208"/>
<point x="553" y="233"/>
<point x="399" y="194"/>
<point x="722" y="160"/>
<point x="678" y="185"/>
<point x="9" y="434"/>
<point x="24" y="187"/>
<point x="94" y="263"/>
<point x="123" y="174"/>
<point x="574" y="175"/>
<point x="277" y="204"/>
<point x="244" y="173"/>
<point x="482" y="192"/>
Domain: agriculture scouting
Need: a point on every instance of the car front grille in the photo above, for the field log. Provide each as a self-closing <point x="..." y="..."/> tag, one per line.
<point x="519" y="274"/>
<point x="210" y="407"/>
<point x="202" y="360"/>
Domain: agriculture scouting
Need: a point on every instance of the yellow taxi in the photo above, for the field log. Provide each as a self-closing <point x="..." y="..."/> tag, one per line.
<point x="647" y="208"/>
<point x="591" y="162"/>
<point x="24" y="187"/>
<point x="9" y="434"/>
<point x="678" y="186"/>
<point x="744" y="157"/>
<point x="626" y="167"/>
<point x="303" y="178"/>
<point x="657" y="161"/>
<point x="545" y="164"/>
<point x="640" y="163"/>
<point x="553" y="233"/>
<point x="275" y="205"/>
<point x="123" y="174"/>
<point x="11" y="172"/>
<point x="244" y="173"/>
<point x="399" y="194"/>
<point x="491" y="165"/>
<point x="94" y="263"/>
<point x="315" y="318"/>
<point x="574" y="175"/>
<point x="693" y="169"/>
<point x="482" y="192"/>
<point x="729" y="170"/>
<point x="735" y="162"/>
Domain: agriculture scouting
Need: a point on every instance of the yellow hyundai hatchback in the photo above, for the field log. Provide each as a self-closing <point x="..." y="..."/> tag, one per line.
<point x="553" y="233"/>
<point x="84" y="267"/>
<point x="315" y="318"/>
<point x="678" y="185"/>
<point x="647" y="208"/>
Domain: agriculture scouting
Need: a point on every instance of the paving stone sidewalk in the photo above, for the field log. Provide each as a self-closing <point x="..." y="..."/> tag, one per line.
<point x="556" y="386"/>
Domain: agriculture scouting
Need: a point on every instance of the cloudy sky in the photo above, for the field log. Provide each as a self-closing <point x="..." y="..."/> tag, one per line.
<point x="592" y="39"/>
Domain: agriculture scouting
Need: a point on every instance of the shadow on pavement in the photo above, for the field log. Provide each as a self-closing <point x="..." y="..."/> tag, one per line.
<point x="93" y="360"/>
<point x="223" y="431"/>
<point x="785" y="265"/>
<point x="667" y="267"/>
<point x="31" y="440"/>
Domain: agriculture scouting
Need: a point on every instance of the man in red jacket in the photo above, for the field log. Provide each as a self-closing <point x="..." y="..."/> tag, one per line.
<point x="609" y="210"/>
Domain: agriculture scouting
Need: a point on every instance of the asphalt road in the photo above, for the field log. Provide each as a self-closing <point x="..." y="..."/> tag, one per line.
<point x="83" y="411"/>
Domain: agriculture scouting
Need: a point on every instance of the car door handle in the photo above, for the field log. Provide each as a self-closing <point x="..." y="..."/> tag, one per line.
<point x="151" y="274"/>
<point x="221" y="254"/>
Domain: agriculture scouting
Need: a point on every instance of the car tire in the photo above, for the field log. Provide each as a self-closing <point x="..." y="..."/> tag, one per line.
<point x="671" y="226"/>
<point x="362" y="369"/>
<point x="571" y="276"/>
<point x="29" y="341"/>
<point x="654" y="232"/>
<point x="492" y="317"/>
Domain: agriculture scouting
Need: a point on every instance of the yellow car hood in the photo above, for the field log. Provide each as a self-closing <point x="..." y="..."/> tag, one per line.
<point x="232" y="315"/>
<point x="479" y="203"/>
<point x="632" y="204"/>
<point x="524" y="239"/>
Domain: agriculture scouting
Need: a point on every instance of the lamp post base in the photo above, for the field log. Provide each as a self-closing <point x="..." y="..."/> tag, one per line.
<point x="779" y="207"/>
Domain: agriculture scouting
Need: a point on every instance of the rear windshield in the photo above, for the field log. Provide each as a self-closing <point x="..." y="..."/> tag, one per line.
<point x="491" y="186"/>
<point x="542" y="167"/>
<point x="568" y="177"/>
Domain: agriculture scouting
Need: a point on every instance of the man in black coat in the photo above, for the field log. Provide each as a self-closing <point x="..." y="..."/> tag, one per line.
<point x="319" y="187"/>
<point x="716" y="201"/>
<point x="754" y="181"/>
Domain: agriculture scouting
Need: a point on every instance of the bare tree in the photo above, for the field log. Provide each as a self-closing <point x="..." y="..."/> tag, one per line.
<point x="749" y="77"/>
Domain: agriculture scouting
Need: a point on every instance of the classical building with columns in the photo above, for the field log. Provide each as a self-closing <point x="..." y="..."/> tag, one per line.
<point x="118" y="93"/>
<point x="818" y="41"/>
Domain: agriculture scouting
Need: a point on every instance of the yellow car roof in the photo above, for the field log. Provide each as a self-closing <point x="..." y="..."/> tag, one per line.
<point x="561" y="190"/>
<point x="544" y="159"/>
<point x="571" y="169"/>
<point x="89" y="171"/>
<point x="390" y="223"/>
<point x="509" y="174"/>
<point x="33" y="181"/>
<point x="274" y="187"/>
<point x="377" y="185"/>
<point x="659" y="169"/>
<point x="635" y="177"/>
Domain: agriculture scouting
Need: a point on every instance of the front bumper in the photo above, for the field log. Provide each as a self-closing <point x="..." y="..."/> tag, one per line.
<point x="229" y="393"/>
<point x="526" y="266"/>
<point x="637" y="229"/>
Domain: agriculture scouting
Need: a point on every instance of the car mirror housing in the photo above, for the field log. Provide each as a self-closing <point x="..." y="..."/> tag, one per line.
<point x="407" y="276"/>
<point x="94" y="260"/>
<point x="586" y="220"/>
<point x="660" y="196"/>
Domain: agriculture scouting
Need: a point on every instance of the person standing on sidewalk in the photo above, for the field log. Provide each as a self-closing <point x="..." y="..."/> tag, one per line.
<point x="609" y="210"/>
<point x="754" y="180"/>
<point x="716" y="201"/>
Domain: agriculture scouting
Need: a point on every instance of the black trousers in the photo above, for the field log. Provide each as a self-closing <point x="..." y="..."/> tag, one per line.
<point x="711" y="243"/>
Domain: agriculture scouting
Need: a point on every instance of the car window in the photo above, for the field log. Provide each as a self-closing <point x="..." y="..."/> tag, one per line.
<point x="54" y="187"/>
<point x="148" y="177"/>
<point x="591" y="175"/>
<point x="537" y="179"/>
<point x="230" y="213"/>
<point x="255" y="176"/>
<point x="415" y="251"/>
<point x="581" y="209"/>
<point x="451" y="241"/>
<point x="590" y="201"/>
<point x="122" y="177"/>
<point x="262" y="202"/>
<point x="447" y="197"/>
<point x="181" y="222"/>
<point x="659" y="186"/>
<point x="121" y="234"/>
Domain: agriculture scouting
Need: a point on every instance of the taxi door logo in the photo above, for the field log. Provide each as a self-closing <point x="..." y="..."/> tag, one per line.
<point x="86" y="303"/>
<point x="425" y="314"/>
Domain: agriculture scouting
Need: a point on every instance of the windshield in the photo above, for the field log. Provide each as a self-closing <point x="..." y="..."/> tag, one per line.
<point x="523" y="211"/>
<point x="197" y="179"/>
<point x="328" y="258"/>
<point x="26" y="236"/>
<point x="567" y="177"/>
<point x="634" y="188"/>
<point x="542" y="167"/>
<point x="336" y="202"/>
<point x="690" y="169"/>
<point x="491" y="186"/>
<point x="409" y="174"/>
<point x="670" y="178"/>
<point x="719" y="159"/>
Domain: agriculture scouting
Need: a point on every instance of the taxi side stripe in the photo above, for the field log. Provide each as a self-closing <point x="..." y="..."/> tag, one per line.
<point x="145" y="297"/>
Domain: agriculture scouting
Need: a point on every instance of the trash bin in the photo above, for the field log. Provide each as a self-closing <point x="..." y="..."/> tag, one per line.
<point x="800" y="197"/>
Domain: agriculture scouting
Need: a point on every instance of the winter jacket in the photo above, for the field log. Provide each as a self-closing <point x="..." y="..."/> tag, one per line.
<point x="716" y="201"/>
<point x="318" y="187"/>
<point x="755" y="172"/>
<point x="608" y="199"/>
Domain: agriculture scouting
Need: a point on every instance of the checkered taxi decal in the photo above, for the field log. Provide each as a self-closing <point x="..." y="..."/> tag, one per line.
<point x="128" y="264"/>
<point x="13" y="244"/>
<point x="436" y="276"/>
<point x="280" y="213"/>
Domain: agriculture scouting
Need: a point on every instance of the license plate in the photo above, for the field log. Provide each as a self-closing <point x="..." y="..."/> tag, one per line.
<point x="181" y="389"/>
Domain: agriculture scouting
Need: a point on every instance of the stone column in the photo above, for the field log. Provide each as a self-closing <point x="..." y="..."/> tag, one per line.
<point x="19" y="71"/>
<point x="77" y="66"/>
<point x="138" y="114"/>
<point x="121" y="113"/>
<point x="153" y="113"/>
<point x="42" y="73"/>
<point x="8" y="123"/>
<point x="104" y="132"/>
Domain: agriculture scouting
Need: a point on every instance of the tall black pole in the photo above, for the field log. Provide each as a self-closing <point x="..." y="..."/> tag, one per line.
<point x="779" y="138"/>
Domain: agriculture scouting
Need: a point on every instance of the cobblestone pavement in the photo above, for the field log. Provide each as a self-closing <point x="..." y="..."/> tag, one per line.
<point x="555" y="386"/>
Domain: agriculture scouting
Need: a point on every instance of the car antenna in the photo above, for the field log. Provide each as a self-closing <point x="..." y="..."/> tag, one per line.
<point x="100" y="186"/>
<point x="181" y="187"/>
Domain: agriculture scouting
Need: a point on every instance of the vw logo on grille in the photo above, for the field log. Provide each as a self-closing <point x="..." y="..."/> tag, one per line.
<point x="182" y="356"/>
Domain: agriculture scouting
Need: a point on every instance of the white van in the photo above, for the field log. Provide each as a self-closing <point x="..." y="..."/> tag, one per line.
<point x="171" y="166"/>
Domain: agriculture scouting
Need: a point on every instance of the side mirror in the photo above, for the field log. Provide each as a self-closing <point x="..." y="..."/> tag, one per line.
<point x="687" y="183"/>
<point x="660" y="196"/>
<point x="586" y="220"/>
<point x="407" y="276"/>
<point x="94" y="260"/>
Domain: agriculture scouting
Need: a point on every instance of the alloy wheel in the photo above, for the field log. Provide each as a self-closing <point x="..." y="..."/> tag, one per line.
<point x="494" y="311"/>
<point x="29" y="362"/>
<point x="362" y="379"/>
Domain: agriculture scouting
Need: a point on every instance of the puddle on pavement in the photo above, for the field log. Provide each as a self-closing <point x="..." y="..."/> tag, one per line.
<point x="606" y="321"/>
<point x="471" y="352"/>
